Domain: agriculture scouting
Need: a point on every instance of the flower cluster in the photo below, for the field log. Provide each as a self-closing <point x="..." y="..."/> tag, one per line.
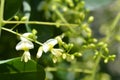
<point x="47" y="46"/>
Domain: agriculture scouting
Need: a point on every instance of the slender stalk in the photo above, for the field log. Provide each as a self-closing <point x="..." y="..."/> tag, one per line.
<point x="112" y="27"/>
<point x="13" y="32"/>
<point x="95" y="68"/>
<point x="14" y="26"/>
<point x="64" y="20"/>
<point x="68" y="69"/>
<point x="1" y="13"/>
<point x="37" y="22"/>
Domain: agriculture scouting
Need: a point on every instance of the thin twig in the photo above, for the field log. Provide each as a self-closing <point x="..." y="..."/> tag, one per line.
<point x="37" y="22"/>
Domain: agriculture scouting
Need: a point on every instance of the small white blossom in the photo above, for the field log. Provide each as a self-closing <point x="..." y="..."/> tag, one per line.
<point x="24" y="45"/>
<point x="26" y="56"/>
<point x="39" y="53"/>
<point x="49" y="44"/>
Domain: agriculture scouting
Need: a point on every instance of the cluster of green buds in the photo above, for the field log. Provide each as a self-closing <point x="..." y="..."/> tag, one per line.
<point x="104" y="49"/>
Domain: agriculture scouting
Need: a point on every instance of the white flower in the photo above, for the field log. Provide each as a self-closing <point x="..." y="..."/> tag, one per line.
<point x="26" y="56"/>
<point x="39" y="53"/>
<point x="56" y="52"/>
<point x="49" y="44"/>
<point x="24" y="45"/>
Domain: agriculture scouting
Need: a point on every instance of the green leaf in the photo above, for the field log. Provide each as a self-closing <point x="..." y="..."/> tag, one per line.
<point x="14" y="69"/>
<point x="11" y="8"/>
<point x="94" y="4"/>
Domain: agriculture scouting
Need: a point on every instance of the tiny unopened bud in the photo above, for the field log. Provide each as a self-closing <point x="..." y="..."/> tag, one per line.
<point x="78" y="54"/>
<point x="106" y="60"/>
<point x="64" y="56"/>
<point x="16" y="18"/>
<point x="82" y="15"/>
<point x="94" y="40"/>
<point x="101" y="43"/>
<point x="72" y="57"/>
<point x="83" y="3"/>
<point x="90" y="19"/>
<point x="92" y="45"/>
<point x="54" y="59"/>
<point x="65" y="9"/>
<point x="106" y="50"/>
<point x="54" y="7"/>
<point x="24" y="18"/>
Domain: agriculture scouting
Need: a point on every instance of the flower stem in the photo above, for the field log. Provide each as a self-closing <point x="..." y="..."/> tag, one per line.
<point x="68" y="69"/>
<point x="13" y="32"/>
<point x="64" y="20"/>
<point x="1" y="13"/>
<point x="95" y="68"/>
<point x="37" y="22"/>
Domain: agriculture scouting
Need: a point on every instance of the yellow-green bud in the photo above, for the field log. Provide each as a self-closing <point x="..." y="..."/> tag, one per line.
<point x="24" y="18"/>
<point x="72" y="57"/>
<point x="106" y="60"/>
<point x="34" y="31"/>
<point x="101" y="43"/>
<point x="64" y="56"/>
<point x="94" y="40"/>
<point x="92" y="45"/>
<point x="54" y="7"/>
<point x="106" y="50"/>
<point x="16" y="18"/>
<point x="82" y="15"/>
<point x="90" y="19"/>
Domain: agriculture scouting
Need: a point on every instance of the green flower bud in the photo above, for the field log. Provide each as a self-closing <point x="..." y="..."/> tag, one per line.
<point x="54" y="7"/>
<point x="72" y="57"/>
<point x="16" y="18"/>
<point x="92" y="45"/>
<point x="90" y="19"/>
<point x="101" y="44"/>
<point x="82" y="15"/>
<point x="78" y="54"/>
<point x="24" y="18"/>
<point x="106" y="60"/>
<point x="64" y="56"/>
<point x="94" y="40"/>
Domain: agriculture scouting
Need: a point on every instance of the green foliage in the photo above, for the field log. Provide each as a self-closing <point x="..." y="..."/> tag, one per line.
<point x="14" y="69"/>
<point x="11" y="8"/>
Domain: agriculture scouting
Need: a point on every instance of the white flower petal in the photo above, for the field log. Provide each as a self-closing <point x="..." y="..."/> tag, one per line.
<point x="49" y="44"/>
<point x="26" y="56"/>
<point x="46" y="48"/>
<point x="39" y="53"/>
<point x="52" y="42"/>
<point x="57" y="52"/>
<point x="25" y="35"/>
<point x="24" y="45"/>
